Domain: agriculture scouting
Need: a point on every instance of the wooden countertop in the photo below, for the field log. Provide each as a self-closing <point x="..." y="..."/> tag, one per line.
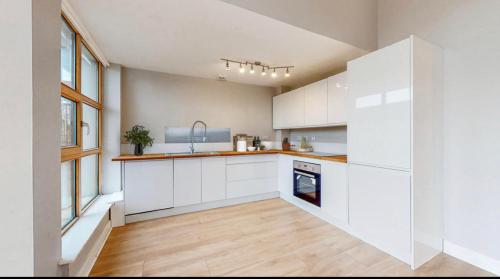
<point x="163" y="156"/>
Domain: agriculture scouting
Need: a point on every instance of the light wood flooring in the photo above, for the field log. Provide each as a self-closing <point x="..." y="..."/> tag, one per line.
<point x="267" y="238"/>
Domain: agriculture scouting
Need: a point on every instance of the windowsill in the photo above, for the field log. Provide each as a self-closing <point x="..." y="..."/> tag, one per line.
<point x="75" y="239"/>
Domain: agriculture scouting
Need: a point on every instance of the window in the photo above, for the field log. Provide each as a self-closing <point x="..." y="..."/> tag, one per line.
<point x="68" y="195"/>
<point x="90" y="127"/>
<point x="90" y="179"/>
<point x="81" y="110"/>
<point x="68" y="122"/>
<point x="90" y="74"/>
<point x="68" y="39"/>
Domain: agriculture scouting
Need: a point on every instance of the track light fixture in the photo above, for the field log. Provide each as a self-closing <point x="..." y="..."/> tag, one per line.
<point x="287" y="73"/>
<point x="264" y="67"/>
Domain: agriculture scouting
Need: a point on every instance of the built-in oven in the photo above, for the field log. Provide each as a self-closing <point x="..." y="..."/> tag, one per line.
<point x="307" y="182"/>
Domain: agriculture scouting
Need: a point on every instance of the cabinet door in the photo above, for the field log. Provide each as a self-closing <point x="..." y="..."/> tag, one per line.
<point x="334" y="190"/>
<point x="292" y="112"/>
<point x="285" y="175"/>
<point x="148" y="186"/>
<point x="276" y="114"/>
<point x="379" y="107"/>
<point x="187" y="182"/>
<point x="379" y="208"/>
<point x="213" y="181"/>
<point x="316" y="103"/>
<point x="337" y="99"/>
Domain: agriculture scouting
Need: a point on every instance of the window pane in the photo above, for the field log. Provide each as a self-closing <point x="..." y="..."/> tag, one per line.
<point x="90" y="127"/>
<point x="90" y="75"/>
<point x="68" y="205"/>
<point x="67" y="55"/>
<point x="89" y="179"/>
<point x="68" y="122"/>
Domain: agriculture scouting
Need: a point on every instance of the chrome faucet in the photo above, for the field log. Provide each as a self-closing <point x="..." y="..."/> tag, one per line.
<point x="192" y="134"/>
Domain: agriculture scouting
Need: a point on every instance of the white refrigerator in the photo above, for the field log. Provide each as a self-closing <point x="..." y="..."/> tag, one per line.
<point x="394" y="149"/>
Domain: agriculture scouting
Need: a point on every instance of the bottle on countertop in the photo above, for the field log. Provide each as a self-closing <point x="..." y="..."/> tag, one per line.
<point x="257" y="143"/>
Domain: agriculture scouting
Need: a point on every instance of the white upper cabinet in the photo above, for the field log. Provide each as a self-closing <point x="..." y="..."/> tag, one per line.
<point x="293" y="108"/>
<point x="337" y="99"/>
<point x="379" y="107"/>
<point x="316" y="103"/>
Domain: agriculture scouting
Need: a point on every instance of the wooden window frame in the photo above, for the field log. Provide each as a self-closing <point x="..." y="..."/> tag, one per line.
<point x="76" y="152"/>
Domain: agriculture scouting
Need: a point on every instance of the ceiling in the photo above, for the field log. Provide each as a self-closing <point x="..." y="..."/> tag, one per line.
<point x="188" y="37"/>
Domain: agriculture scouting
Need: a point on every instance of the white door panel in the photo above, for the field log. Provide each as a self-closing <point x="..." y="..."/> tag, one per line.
<point x="379" y="107"/>
<point x="380" y="208"/>
<point x="213" y="182"/>
<point x="148" y="186"/>
<point x="187" y="182"/>
<point x="334" y="190"/>
<point x="337" y="99"/>
<point x="316" y="103"/>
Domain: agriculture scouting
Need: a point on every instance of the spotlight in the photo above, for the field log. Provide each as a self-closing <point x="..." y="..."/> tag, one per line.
<point x="263" y="71"/>
<point x="252" y="71"/>
<point x="242" y="69"/>
<point x="287" y="73"/>
<point x="274" y="75"/>
<point x="227" y="66"/>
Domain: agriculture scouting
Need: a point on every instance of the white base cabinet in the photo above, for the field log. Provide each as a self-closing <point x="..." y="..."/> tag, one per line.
<point x="251" y="175"/>
<point x="187" y="182"/>
<point x="148" y="186"/>
<point x="379" y="203"/>
<point x="334" y="190"/>
<point x="213" y="179"/>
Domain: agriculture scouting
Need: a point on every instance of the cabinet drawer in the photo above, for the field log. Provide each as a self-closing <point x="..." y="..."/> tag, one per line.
<point x="252" y="171"/>
<point x="243" y="188"/>
<point x="251" y="159"/>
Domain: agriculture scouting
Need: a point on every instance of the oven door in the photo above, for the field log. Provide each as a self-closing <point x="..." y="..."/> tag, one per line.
<point x="307" y="186"/>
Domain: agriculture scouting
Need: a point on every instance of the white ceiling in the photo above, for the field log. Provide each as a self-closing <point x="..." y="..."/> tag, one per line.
<point x="188" y="37"/>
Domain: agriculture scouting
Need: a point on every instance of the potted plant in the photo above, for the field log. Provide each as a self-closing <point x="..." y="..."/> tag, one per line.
<point x="138" y="136"/>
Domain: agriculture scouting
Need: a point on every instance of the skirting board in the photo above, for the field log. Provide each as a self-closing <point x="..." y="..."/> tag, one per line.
<point x="198" y="207"/>
<point x="472" y="257"/>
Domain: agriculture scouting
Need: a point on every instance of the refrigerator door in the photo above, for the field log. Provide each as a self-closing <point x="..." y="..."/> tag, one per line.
<point x="380" y="208"/>
<point x="379" y="107"/>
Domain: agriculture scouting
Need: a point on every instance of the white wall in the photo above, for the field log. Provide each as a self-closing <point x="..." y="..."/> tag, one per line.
<point x="158" y="100"/>
<point x="111" y="128"/>
<point x="350" y="21"/>
<point x="29" y="142"/>
<point x="469" y="33"/>
<point x="16" y="175"/>
<point x="46" y="141"/>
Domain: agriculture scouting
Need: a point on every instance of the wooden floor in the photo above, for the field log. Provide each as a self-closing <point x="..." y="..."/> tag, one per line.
<point x="270" y="238"/>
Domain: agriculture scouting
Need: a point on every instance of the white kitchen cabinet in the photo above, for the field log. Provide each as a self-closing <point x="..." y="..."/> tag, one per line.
<point x="148" y="186"/>
<point x="213" y="181"/>
<point x="285" y="175"/>
<point x="380" y="109"/>
<point x="251" y="175"/>
<point x="380" y="209"/>
<point x="291" y="109"/>
<point x="337" y="99"/>
<point x="395" y="149"/>
<point x="277" y="122"/>
<point x="316" y="103"/>
<point x="334" y="190"/>
<point x="187" y="182"/>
